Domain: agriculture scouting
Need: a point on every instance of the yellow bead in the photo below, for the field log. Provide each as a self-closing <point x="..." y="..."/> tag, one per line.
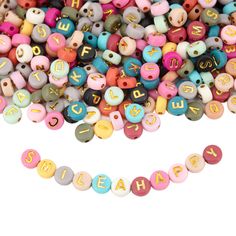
<point x="161" y="105"/>
<point x="169" y="47"/>
<point x="26" y="28"/>
<point x="103" y="129"/>
<point x="46" y="169"/>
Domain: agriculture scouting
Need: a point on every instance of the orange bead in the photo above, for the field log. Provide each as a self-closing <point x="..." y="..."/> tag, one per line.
<point x="67" y="54"/>
<point x="127" y="82"/>
<point x="26" y="4"/>
<point x="12" y="56"/>
<point x="105" y="108"/>
<point x="112" y="76"/>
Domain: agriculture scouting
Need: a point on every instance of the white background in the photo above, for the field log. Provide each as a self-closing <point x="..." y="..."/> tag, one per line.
<point x="203" y="205"/>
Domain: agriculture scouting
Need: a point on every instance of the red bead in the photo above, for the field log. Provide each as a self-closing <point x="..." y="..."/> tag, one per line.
<point x="188" y="5"/>
<point x="176" y="35"/>
<point x="77" y="4"/>
<point x="105" y="108"/>
<point x="133" y="131"/>
<point x="196" y="30"/>
<point x="212" y="154"/>
<point x="220" y="96"/>
<point x="112" y="75"/>
<point x="113" y="41"/>
<point x="140" y="186"/>
<point x="123" y="106"/>
<point x="127" y="82"/>
<point x="12" y="56"/>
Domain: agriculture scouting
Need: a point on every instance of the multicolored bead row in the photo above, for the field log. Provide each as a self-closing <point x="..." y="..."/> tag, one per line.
<point x="140" y="186"/>
<point x="116" y="64"/>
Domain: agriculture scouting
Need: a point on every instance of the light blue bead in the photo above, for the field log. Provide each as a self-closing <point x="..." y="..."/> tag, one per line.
<point x="134" y="113"/>
<point x="21" y="98"/>
<point x="132" y="67"/>
<point x="65" y="27"/>
<point x="177" y="106"/>
<point x="77" y="76"/>
<point x="175" y="5"/>
<point x="195" y="77"/>
<point x="91" y="39"/>
<point x="12" y="114"/>
<point x="150" y="84"/>
<point x="77" y="111"/>
<point x="152" y="54"/>
<point x="102" y="40"/>
<point x="180" y="81"/>
<point x="207" y="78"/>
<point x="229" y="8"/>
<point x="100" y="65"/>
<point x="220" y="58"/>
<point x="114" y="96"/>
<point x="214" y="31"/>
<point x="59" y="68"/>
<point x="101" y="184"/>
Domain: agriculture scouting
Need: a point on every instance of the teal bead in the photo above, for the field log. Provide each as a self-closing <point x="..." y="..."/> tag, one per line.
<point x="152" y="54"/>
<point x="208" y="79"/>
<point x="45" y="9"/>
<point x="179" y="82"/>
<point x="134" y="113"/>
<point x="59" y="68"/>
<point x="150" y="84"/>
<point x="65" y="27"/>
<point x="177" y="106"/>
<point x="77" y="111"/>
<point x="103" y="39"/>
<point x="214" y="31"/>
<point x="100" y="65"/>
<point x="12" y="114"/>
<point x="111" y="57"/>
<point x="229" y="8"/>
<point x="195" y="77"/>
<point x="77" y="76"/>
<point x="101" y="184"/>
<point x="175" y="5"/>
<point x="21" y="98"/>
<point x="91" y="39"/>
<point x="114" y="96"/>
<point x="220" y="58"/>
<point x="132" y="67"/>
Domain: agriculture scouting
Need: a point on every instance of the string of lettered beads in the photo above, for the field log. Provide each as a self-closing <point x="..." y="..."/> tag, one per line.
<point x="140" y="186"/>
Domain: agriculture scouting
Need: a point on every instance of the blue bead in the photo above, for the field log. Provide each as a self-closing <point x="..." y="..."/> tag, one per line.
<point x="195" y="77"/>
<point x="101" y="184"/>
<point x="100" y="65"/>
<point x="102" y="40"/>
<point x="134" y="113"/>
<point x="214" y="31"/>
<point x="177" y="106"/>
<point x="132" y="67"/>
<point x="152" y="54"/>
<point x="77" y="111"/>
<point x="77" y="76"/>
<point x="150" y="84"/>
<point x="220" y="58"/>
<point x="91" y="39"/>
<point x="229" y="8"/>
<point x="65" y="27"/>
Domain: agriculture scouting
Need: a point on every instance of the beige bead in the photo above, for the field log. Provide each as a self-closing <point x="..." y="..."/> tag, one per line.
<point x="231" y="103"/>
<point x="214" y="110"/>
<point x="127" y="46"/>
<point x="195" y="163"/>
<point x="7" y="87"/>
<point x="76" y="40"/>
<point x="224" y="82"/>
<point x="177" y="17"/>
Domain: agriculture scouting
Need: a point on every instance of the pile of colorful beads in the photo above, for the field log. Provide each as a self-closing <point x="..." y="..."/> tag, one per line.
<point x="140" y="186"/>
<point x="116" y="64"/>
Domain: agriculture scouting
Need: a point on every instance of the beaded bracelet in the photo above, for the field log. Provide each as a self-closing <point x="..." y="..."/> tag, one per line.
<point x="140" y="186"/>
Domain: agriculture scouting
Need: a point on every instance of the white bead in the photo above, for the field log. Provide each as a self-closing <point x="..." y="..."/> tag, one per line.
<point x="93" y="115"/>
<point x="120" y="187"/>
<point x="205" y="93"/>
<point x="35" y="15"/>
<point x="182" y="49"/>
<point x="151" y="29"/>
<point x="24" y="53"/>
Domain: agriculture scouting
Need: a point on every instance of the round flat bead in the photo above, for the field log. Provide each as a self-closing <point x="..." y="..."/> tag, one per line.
<point x="93" y="115"/>
<point x="230" y="67"/>
<point x="56" y="106"/>
<point x="30" y="158"/>
<point x="21" y="98"/>
<point x="64" y="175"/>
<point x="177" y="106"/>
<point x="196" y="30"/>
<point x="46" y="169"/>
<point x="12" y="114"/>
<point x="77" y="111"/>
<point x="114" y="96"/>
<point x="214" y="109"/>
<point x="228" y="34"/>
<point x="82" y="181"/>
<point x="84" y="133"/>
<point x="36" y="112"/>
<point x="231" y="103"/>
<point x="6" y="66"/>
<point x="177" y="17"/>
<point x="103" y="129"/>
<point x="120" y="187"/>
<point x="86" y="53"/>
<point x="187" y="90"/>
<point x="101" y="184"/>
<point x="140" y="186"/>
<point x="196" y="49"/>
<point x="92" y="97"/>
<point x="96" y="81"/>
<point x="5" y="45"/>
<point x="35" y="15"/>
<point x="59" y="68"/>
<point x="127" y="46"/>
<point x="210" y="16"/>
<point x="224" y="82"/>
<point x="134" y="113"/>
<point x="152" y="54"/>
<point x="178" y="173"/>
<point x="24" y="53"/>
<point x="133" y="131"/>
<point x="212" y="154"/>
<point x="50" y="93"/>
<point x="116" y="120"/>
<point x="195" y="163"/>
<point x="151" y="122"/>
<point x="172" y="61"/>
<point x="54" y="120"/>
<point x="160" y="180"/>
<point x="139" y="95"/>
<point x="37" y="79"/>
<point x="195" y="111"/>
<point x="149" y="105"/>
<point x="3" y="104"/>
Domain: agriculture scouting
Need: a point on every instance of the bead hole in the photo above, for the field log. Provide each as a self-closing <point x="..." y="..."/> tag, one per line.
<point x="5" y="84"/>
<point x="110" y="55"/>
<point x="116" y="117"/>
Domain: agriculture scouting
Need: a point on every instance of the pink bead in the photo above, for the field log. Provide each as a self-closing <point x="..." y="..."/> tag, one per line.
<point x="3" y="104"/>
<point x="30" y="89"/>
<point x="167" y="89"/>
<point x="116" y="120"/>
<point x="160" y="8"/>
<point x="8" y="28"/>
<point x="18" y="79"/>
<point x="230" y="50"/>
<point x="18" y="39"/>
<point x="96" y="81"/>
<point x="160" y="180"/>
<point x="56" y="41"/>
<point x="54" y="120"/>
<point x="143" y="5"/>
<point x="108" y="9"/>
<point x="120" y="3"/>
<point x="5" y="44"/>
<point x="207" y="3"/>
<point x="51" y="17"/>
<point x="151" y="122"/>
<point x="156" y="39"/>
<point x="178" y="173"/>
<point x="150" y="71"/>
<point x="172" y="61"/>
<point x="40" y="63"/>
<point x="234" y="84"/>
<point x="153" y="94"/>
<point x="141" y="44"/>
<point x="59" y="82"/>
<point x="228" y="34"/>
<point x="30" y="158"/>
<point x="36" y="112"/>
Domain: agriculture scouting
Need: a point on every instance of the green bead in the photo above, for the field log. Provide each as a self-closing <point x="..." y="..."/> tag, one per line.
<point x="22" y="98"/>
<point x="12" y="114"/>
<point x="84" y="132"/>
<point x="208" y="79"/>
<point x="21" y="12"/>
<point x="50" y="93"/>
<point x="186" y="68"/>
<point x="36" y="97"/>
<point x="112" y="23"/>
<point x="111" y="57"/>
<point x="196" y="49"/>
<point x="70" y="12"/>
<point x="59" y="68"/>
<point x="210" y="16"/>
<point x="123" y="30"/>
<point x="195" y="111"/>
